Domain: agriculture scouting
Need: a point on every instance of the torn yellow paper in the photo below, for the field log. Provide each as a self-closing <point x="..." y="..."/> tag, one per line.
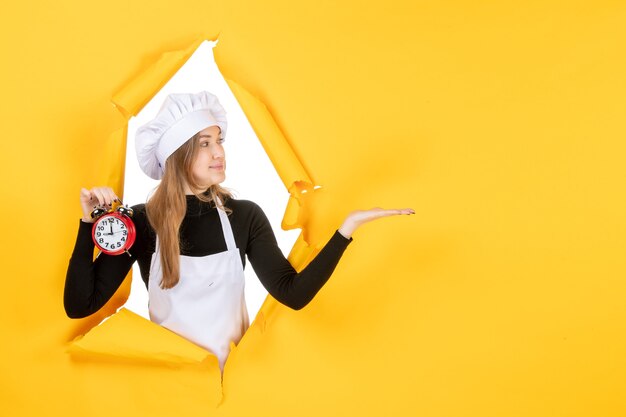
<point x="291" y="171"/>
<point x="128" y="335"/>
<point x="285" y="161"/>
<point x="134" y="96"/>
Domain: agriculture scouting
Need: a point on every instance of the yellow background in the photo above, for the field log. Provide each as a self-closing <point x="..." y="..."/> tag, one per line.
<point x="500" y="123"/>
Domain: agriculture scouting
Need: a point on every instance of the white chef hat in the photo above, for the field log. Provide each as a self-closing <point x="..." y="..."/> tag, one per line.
<point x="181" y="116"/>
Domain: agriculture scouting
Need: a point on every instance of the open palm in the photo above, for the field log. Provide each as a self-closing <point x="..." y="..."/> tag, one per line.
<point x="358" y="217"/>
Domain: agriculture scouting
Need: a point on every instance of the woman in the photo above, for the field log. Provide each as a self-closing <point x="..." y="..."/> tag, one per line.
<point x="193" y="236"/>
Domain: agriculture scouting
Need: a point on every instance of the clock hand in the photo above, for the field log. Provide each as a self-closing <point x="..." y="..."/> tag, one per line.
<point x="111" y="224"/>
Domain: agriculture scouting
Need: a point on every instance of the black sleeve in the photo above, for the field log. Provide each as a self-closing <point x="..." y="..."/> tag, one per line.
<point x="89" y="283"/>
<point x="278" y="276"/>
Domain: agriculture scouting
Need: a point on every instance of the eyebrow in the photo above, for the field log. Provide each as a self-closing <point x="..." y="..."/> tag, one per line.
<point x="205" y="135"/>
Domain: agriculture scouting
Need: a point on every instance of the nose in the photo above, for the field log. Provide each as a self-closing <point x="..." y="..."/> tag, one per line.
<point x="217" y="151"/>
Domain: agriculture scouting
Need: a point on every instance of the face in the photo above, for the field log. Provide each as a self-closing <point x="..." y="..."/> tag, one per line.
<point x="209" y="168"/>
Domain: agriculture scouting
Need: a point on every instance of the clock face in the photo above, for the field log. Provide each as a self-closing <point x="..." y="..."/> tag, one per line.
<point x="110" y="233"/>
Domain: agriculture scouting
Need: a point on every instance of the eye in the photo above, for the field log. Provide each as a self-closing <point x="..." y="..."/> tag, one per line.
<point x="206" y="143"/>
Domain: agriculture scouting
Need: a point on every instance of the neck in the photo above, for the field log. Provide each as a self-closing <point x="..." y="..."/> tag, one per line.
<point x="188" y="190"/>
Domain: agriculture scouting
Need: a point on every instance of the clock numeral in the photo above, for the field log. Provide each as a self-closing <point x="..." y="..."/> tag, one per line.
<point x="112" y="234"/>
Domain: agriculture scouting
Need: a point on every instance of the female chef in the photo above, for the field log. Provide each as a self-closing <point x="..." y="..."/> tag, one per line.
<point x="192" y="236"/>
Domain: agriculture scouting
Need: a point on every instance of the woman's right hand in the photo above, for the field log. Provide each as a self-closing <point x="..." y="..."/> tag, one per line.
<point x="97" y="196"/>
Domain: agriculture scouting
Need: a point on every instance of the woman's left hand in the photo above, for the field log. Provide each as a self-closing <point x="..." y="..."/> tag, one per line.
<point x="359" y="217"/>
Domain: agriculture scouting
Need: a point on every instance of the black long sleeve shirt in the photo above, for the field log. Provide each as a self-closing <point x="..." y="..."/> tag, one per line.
<point x="89" y="283"/>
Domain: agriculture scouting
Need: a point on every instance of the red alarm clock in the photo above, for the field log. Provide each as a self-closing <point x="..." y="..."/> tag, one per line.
<point x="114" y="231"/>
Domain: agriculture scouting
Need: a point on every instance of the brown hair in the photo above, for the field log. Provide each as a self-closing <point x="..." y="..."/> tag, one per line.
<point x="167" y="206"/>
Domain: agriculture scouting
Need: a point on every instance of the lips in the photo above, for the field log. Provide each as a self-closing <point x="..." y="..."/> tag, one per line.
<point x="217" y="166"/>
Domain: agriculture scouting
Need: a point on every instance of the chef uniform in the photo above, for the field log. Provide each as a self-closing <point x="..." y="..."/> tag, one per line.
<point x="207" y="306"/>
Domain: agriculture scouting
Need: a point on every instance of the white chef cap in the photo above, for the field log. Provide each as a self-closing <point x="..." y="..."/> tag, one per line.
<point x="181" y="116"/>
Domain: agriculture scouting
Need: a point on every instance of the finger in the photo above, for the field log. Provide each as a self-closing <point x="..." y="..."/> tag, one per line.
<point x="405" y="211"/>
<point x="373" y="214"/>
<point x="111" y="196"/>
<point x="85" y="194"/>
<point x="97" y="192"/>
<point x="108" y="195"/>
<point x="393" y="212"/>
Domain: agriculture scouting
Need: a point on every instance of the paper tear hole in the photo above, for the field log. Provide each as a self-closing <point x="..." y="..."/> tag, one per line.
<point x="250" y="173"/>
